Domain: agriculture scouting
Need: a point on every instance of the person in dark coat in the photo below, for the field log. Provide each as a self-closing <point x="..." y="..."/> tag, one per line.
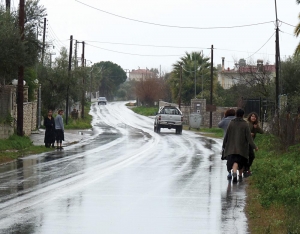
<point x="254" y="129"/>
<point x="49" y="124"/>
<point x="59" y="129"/>
<point x="228" y="116"/>
<point x="236" y="144"/>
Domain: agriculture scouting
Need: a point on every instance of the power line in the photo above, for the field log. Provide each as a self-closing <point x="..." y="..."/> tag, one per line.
<point x="146" y="55"/>
<point x="287" y="24"/>
<point x="262" y="46"/>
<point x="144" y="45"/>
<point x="173" y="26"/>
<point x="165" y="46"/>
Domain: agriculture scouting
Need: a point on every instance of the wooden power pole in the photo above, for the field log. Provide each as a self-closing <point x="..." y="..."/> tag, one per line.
<point x="69" y="78"/>
<point x="20" y="100"/>
<point x="211" y="84"/>
<point x="277" y="61"/>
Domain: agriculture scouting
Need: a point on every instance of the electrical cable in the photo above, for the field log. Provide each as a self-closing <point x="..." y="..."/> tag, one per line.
<point x="173" y="26"/>
<point x="164" y="46"/>
<point x="287" y="24"/>
<point x="143" y="45"/>
<point x="262" y="46"/>
<point x="146" y="55"/>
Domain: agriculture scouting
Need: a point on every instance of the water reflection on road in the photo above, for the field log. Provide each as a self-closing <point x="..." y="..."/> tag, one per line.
<point x="126" y="179"/>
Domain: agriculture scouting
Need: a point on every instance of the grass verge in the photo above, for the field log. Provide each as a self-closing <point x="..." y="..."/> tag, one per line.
<point x="81" y="123"/>
<point x="273" y="203"/>
<point x="144" y="110"/>
<point x="16" y="146"/>
<point x="210" y="132"/>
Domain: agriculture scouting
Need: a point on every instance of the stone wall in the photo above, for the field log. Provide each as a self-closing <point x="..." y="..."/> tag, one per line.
<point x="29" y="117"/>
<point x="8" y="104"/>
<point x="6" y="131"/>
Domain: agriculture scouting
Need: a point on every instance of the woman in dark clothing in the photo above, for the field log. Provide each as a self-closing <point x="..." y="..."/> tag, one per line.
<point x="49" y="124"/>
<point x="236" y="144"/>
<point x="254" y="128"/>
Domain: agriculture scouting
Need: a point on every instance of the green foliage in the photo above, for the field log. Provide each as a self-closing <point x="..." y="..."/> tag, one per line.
<point x="7" y="120"/>
<point x="30" y="76"/>
<point x="110" y="76"/>
<point x="129" y="88"/>
<point x="80" y="123"/>
<point x="190" y="63"/>
<point x="213" y="132"/>
<point x="14" y="51"/>
<point x="290" y="81"/>
<point x="276" y="173"/>
<point x="146" y="111"/>
<point x="15" y="142"/>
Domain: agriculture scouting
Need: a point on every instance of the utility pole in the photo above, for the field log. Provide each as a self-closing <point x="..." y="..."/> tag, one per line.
<point x="20" y="101"/>
<point x="180" y="84"/>
<point x="8" y="5"/>
<point x="44" y="37"/>
<point x="202" y="75"/>
<point x="75" y="54"/>
<point x="195" y="78"/>
<point x="211" y="84"/>
<point x="69" y="78"/>
<point x="277" y="61"/>
<point x="83" y="93"/>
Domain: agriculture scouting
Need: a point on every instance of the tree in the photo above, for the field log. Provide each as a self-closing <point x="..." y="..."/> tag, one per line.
<point x="15" y="52"/>
<point x="55" y="83"/>
<point x="290" y="82"/>
<point x="110" y="76"/>
<point x="297" y="33"/>
<point x="149" y="90"/>
<point x="191" y="64"/>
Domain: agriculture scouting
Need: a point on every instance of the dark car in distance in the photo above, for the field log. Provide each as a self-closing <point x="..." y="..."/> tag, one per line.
<point x="102" y="100"/>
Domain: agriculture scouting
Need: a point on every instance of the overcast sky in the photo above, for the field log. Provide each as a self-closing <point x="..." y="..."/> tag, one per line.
<point x="106" y="35"/>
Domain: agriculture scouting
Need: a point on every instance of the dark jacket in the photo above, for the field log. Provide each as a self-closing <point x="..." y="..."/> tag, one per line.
<point x="238" y="138"/>
<point x="255" y="130"/>
<point x="50" y="130"/>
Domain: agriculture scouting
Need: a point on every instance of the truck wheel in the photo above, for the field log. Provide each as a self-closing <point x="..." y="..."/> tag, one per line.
<point x="154" y="129"/>
<point x="180" y="130"/>
<point x="158" y="128"/>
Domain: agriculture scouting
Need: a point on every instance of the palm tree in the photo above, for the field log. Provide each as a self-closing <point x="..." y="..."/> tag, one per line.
<point x="194" y="65"/>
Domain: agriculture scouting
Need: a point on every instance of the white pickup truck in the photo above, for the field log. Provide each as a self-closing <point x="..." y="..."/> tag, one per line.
<point x="168" y="117"/>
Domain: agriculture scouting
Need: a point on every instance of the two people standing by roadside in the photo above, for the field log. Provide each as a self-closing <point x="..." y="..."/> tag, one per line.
<point x="236" y="145"/>
<point x="54" y="130"/>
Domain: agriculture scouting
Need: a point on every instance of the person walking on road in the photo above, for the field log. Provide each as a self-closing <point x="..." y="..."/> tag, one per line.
<point x="236" y="144"/>
<point x="49" y="124"/>
<point x="228" y="116"/>
<point x="253" y="122"/>
<point x="59" y="129"/>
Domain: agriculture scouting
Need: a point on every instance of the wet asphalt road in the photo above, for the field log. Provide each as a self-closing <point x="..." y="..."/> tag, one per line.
<point x="126" y="179"/>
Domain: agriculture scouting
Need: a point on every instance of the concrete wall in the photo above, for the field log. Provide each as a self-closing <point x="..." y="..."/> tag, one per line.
<point x="6" y="131"/>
